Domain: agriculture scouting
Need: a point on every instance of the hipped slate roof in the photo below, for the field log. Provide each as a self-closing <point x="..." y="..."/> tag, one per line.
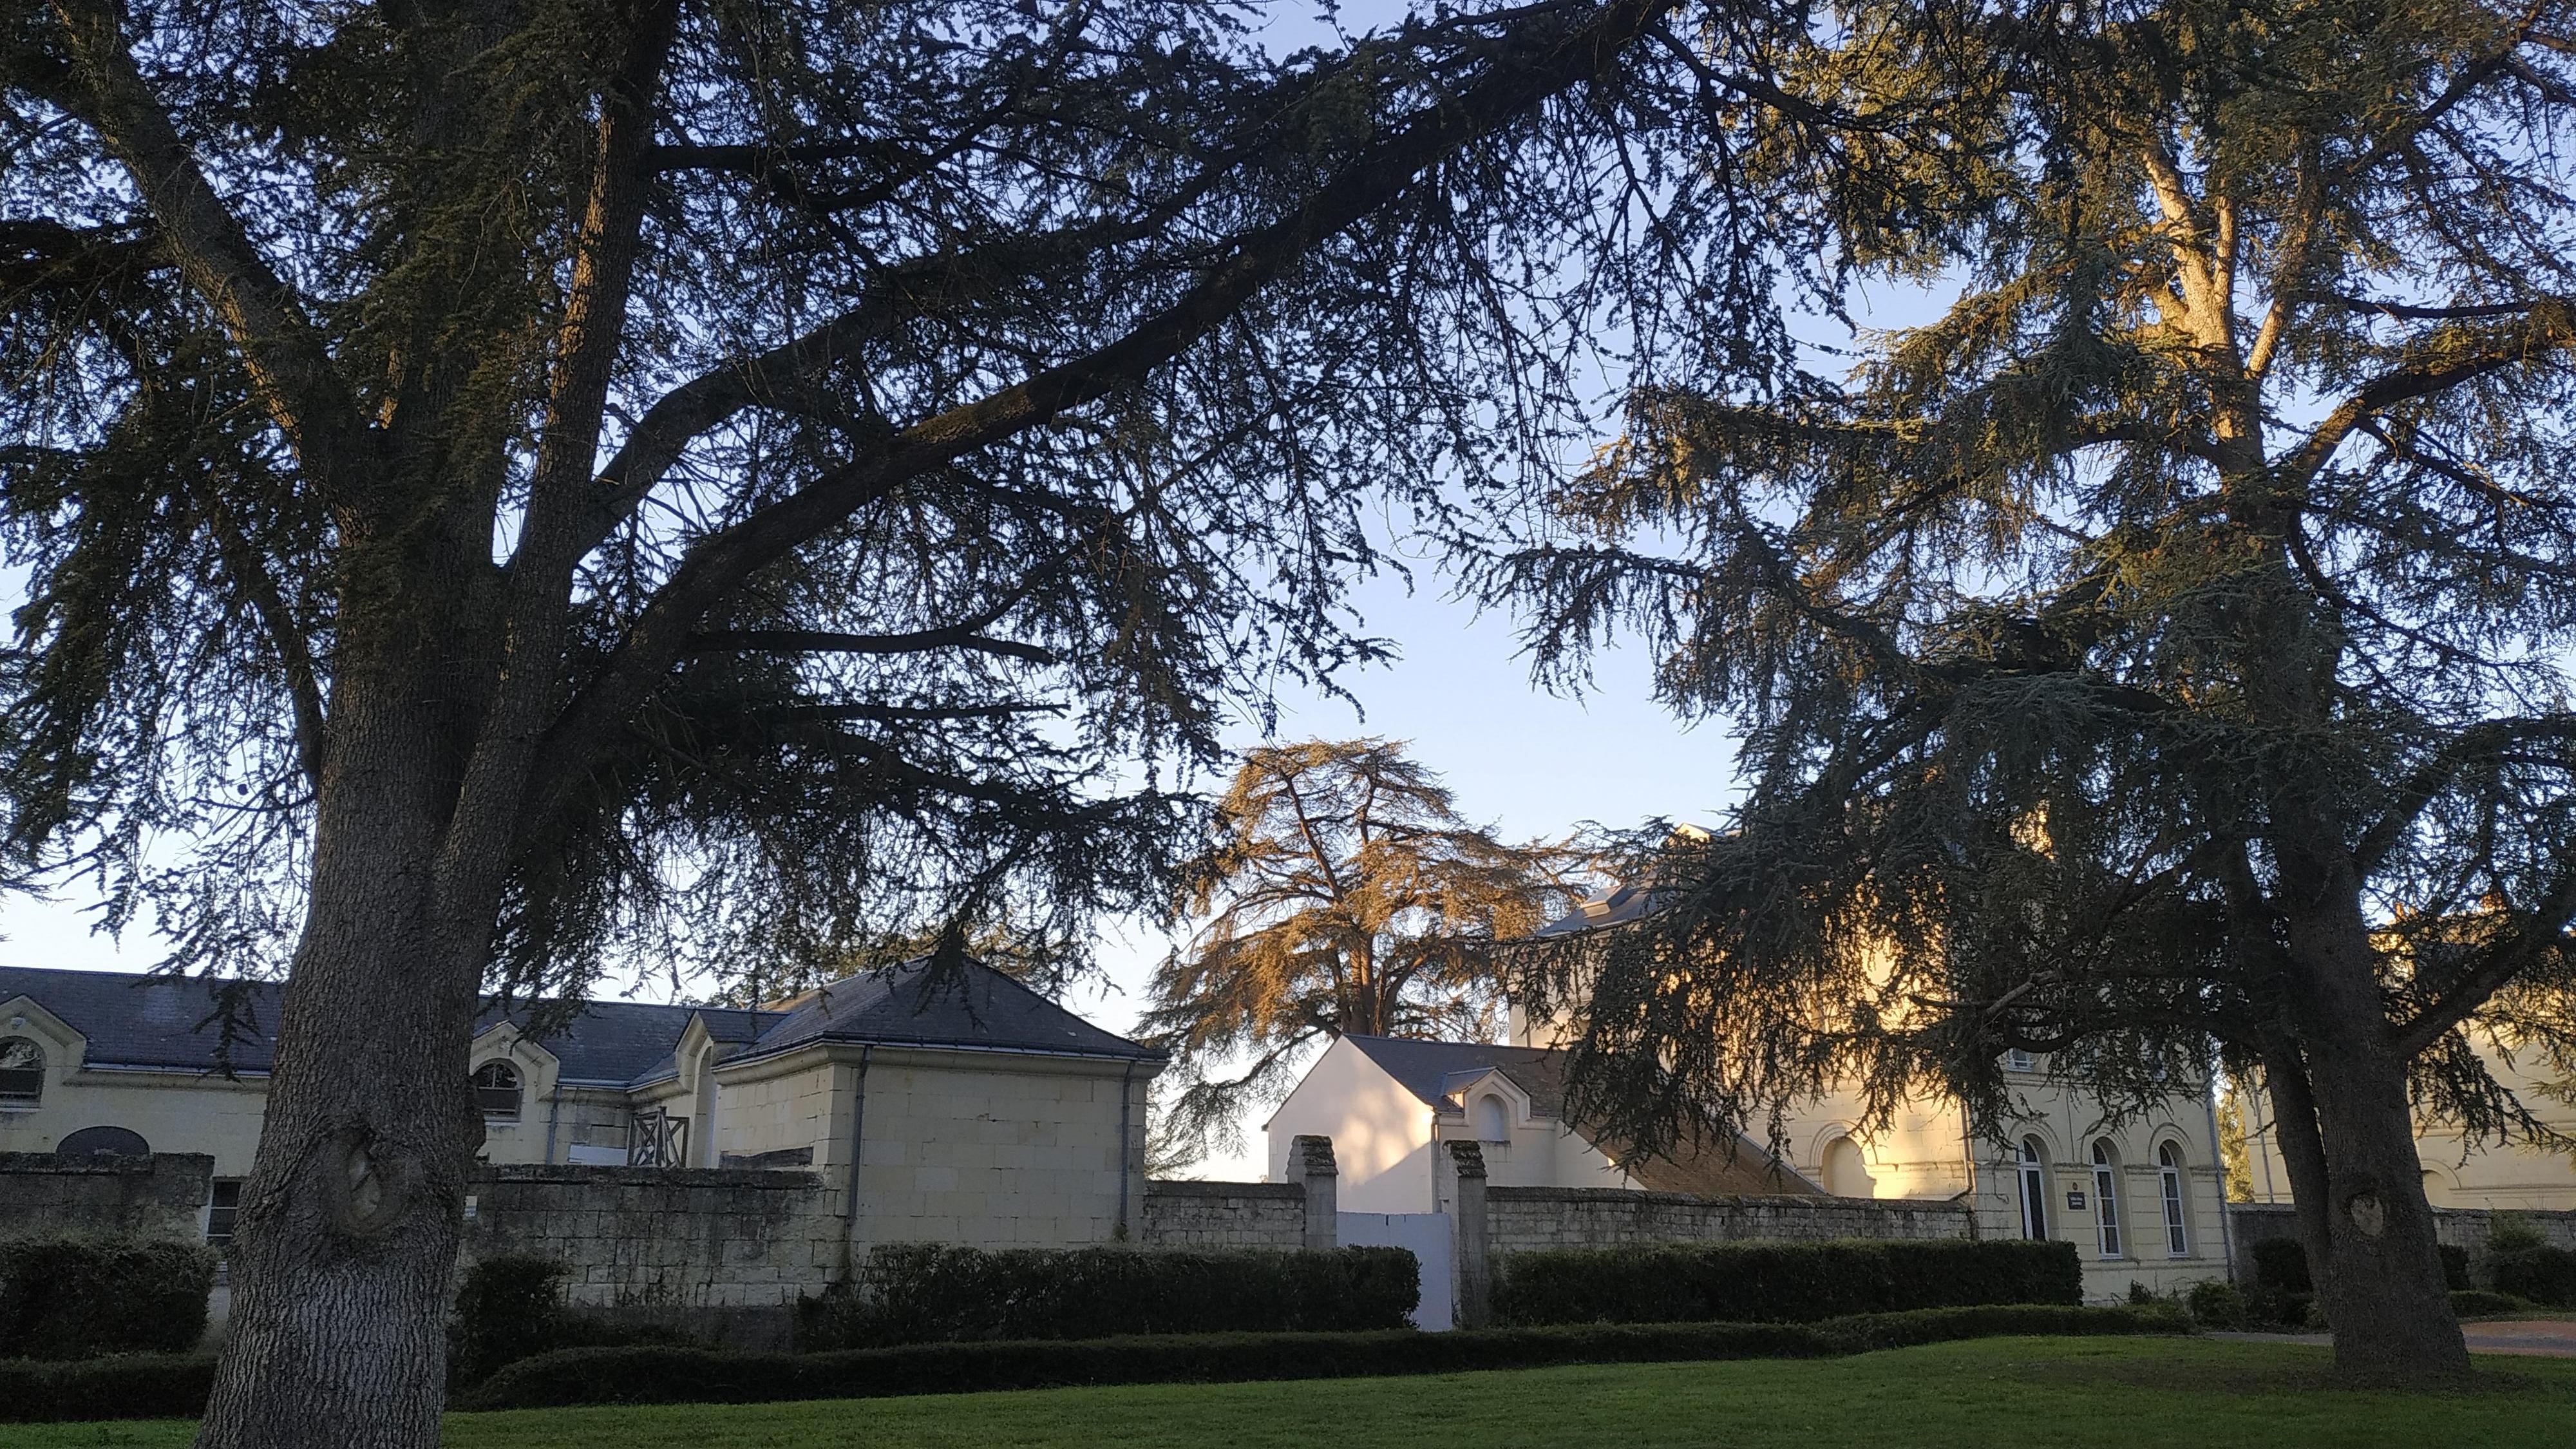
<point x="1434" y="1071"/>
<point x="173" y="1023"/>
<point x="913" y="1004"/>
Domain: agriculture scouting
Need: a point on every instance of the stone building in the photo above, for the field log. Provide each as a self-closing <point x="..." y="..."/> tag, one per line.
<point x="2459" y="1171"/>
<point x="2143" y="1201"/>
<point x="969" y="1109"/>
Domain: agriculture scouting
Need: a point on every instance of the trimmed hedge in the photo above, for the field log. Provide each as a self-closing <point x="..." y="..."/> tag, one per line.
<point x="160" y="1387"/>
<point x="2543" y="1275"/>
<point x="127" y="1386"/>
<point x="1779" y="1282"/>
<point x="670" y="1376"/>
<point x="2481" y="1303"/>
<point x="2282" y="1263"/>
<point x="75" y="1297"/>
<point x="512" y="1307"/>
<point x="927" y="1293"/>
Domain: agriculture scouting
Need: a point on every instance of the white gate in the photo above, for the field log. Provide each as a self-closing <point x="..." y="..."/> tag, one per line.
<point x="1427" y="1236"/>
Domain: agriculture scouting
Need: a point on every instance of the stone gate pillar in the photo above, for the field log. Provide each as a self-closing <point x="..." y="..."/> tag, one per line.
<point x="1311" y="1166"/>
<point x="1474" y="1264"/>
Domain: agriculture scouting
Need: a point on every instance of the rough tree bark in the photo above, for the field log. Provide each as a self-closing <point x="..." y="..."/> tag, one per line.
<point x="2370" y="1234"/>
<point x="349" y="1226"/>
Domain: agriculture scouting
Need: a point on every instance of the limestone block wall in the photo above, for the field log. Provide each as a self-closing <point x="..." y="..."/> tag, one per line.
<point x="635" y="1236"/>
<point x="162" y="1195"/>
<point x="995" y="1150"/>
<point x="1224" y="1215"/>
<point x="2253" y="1222"/>
<point x="1526" y="1219"/>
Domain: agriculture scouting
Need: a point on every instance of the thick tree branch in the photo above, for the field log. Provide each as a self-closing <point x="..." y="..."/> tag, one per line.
<point x="538" y="583"/>
<point x="287" y="358"/>
<point x="2429" y="779"/>
<point x="2542" y="931"/>
<point x="258" y="584"/>
<point x="2442" y="368"/>
<point x="1527" y="71"/>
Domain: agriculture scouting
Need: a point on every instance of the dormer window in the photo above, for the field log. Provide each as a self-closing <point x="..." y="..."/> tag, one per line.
<point x="22" y="1072"/>
<point x="1493" y="1119"/>
<point x="496" y="1091"/>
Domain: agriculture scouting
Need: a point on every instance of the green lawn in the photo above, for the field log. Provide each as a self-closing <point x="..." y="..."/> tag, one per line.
<point x="2101" y="1393"/>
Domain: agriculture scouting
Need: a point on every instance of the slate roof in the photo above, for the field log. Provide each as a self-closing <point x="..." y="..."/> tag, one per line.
<point x="1434" y="1071"/>
<point x="171" y="1022"/>
<point x="911" y="1005"/>
<point x="151" y="1021"/>
<point x="1614" y="907"/>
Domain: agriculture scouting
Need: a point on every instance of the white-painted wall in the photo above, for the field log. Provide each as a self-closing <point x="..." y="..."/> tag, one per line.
<point x="1381" y="1132"/>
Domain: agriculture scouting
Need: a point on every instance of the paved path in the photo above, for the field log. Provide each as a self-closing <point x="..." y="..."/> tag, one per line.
<point x="2546" y="1337"/>
<point x="2540" y="1337"/>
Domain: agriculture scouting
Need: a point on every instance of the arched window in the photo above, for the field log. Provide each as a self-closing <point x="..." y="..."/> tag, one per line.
<point x="22" y="1072"/>
<point x="2169" y="1176"/>
<point x="2034" y="1190"/>
<point x="496" y="1091"/>
<point x="2106" y="1197"/>
<point x="103" y="1142"/>
<point x="1847" y="1171"/>
<point x="1493" y="1119"/>
<point x="2437" y="1189"/>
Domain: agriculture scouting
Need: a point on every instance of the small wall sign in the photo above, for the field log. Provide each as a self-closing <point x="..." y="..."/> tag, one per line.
<point x="2075" y="1199"/>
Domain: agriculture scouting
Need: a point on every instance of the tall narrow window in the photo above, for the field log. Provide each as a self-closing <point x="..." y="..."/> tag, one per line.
<point x="2034" y="1190"/>
<point x="2169" y="1173"/>
<point x="496" y="1091"/>
<point x="2106" y="1197"/>
<point x="221" y="1210"/>
<point x="22" y="1072"/>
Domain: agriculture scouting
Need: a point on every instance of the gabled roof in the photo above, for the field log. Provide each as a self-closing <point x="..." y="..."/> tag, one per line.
<point x="910" y="1004"/>
<point x="1434" y="1070"/>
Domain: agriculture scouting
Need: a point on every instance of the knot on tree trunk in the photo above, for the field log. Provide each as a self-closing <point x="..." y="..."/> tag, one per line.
<point x="373" y="1189"/>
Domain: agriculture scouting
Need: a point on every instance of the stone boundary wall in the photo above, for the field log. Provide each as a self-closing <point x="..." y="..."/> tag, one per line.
<point x="1223" y="1215"/>
<point x="2253" y="1222"/>
<point x="1527" y="1219"/>
<point x="162" y="1195"/>
<point x="651" y="1238"/>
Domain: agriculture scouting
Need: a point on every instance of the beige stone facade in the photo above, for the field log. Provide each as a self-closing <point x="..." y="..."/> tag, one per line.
<point x="980" y="1114"/>
<point x="1385" y="1105"/>
<point x="2458" y="1172"/>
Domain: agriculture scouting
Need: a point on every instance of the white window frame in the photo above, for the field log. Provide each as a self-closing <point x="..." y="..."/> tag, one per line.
<point x="2033" y="1172"/>
<point x="518" y="1089"/>
<point x="2106" y="1199"/>
<point x="2020" y="1061"/>
<point x="2169" y="1181"/>
<point x="27" y="1102"/>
